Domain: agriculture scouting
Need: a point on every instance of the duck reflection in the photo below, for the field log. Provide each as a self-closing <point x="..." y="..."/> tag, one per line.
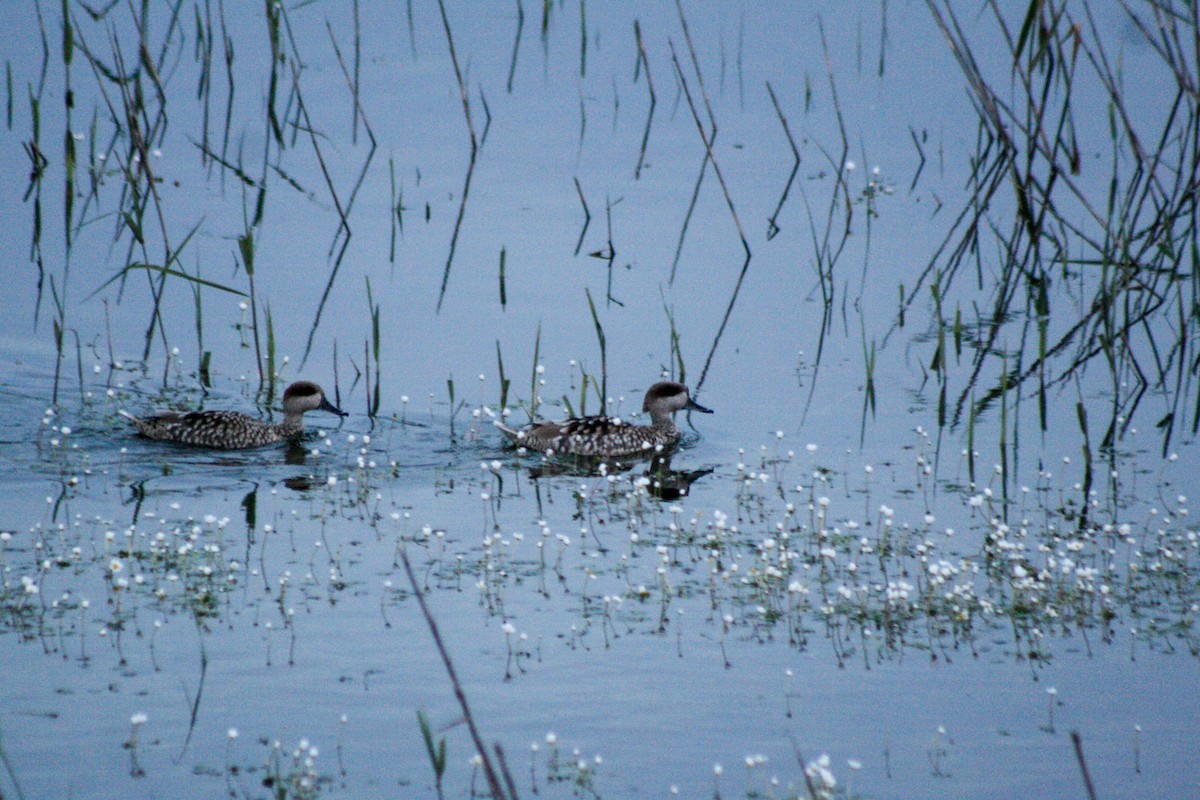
<point x="664" y="481"/>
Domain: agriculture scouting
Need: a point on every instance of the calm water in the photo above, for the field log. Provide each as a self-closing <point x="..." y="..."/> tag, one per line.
<point x="832" y="584"/>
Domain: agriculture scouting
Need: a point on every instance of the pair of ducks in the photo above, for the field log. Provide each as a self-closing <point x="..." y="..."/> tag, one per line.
<point x="597" y="436"/>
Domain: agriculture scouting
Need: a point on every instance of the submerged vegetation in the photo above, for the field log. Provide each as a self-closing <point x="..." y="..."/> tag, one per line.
<point x="204" y="193"/>
<point x="812" y="552"/>
<point x="804" y="552"/>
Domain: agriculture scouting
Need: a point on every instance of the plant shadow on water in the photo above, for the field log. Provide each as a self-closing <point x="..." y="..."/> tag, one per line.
<point x="975" y="577"/>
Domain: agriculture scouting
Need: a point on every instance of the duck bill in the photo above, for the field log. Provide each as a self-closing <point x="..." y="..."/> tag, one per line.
<point x="330" y="407"/>
<point x="692" y="405"/>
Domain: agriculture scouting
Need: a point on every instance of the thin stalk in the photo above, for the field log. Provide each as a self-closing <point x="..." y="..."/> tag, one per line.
<point x="512" y="68"/>
<point x="504" y="381"/>
<point x="728" y="201"/>
<point x="603" y="347"/>
<point x="643" y="61"/>
<point x="271" y="369"/>
<point x="466" y="103"/>
<point x="534" y="396"/>
<point x="772" y="224"/>
<point x="495" y="786"/>
<point x="503" y="294"/>
<point x="587" y="216"/>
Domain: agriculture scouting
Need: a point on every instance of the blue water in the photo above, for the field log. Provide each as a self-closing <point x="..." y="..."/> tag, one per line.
<point x="260" y="592"/>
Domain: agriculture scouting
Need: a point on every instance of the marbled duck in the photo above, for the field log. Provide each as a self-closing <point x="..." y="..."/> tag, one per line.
<point x="233" y="430"/>
<point x="611" y="436"/>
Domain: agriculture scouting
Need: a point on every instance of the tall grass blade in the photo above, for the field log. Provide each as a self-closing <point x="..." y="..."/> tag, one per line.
<point x="271" y="362"/>
<point x="708" y="143"/>
<point x="971" y="441"/>
<point x="678" y="371"/>
<point x="534" y="395"/>
<point x="587" y="216"/>
<point x="395" y="218"/>
<point x="496" y="788"/>
<point x="512" y="68"/>
<point x="174" y="273"/>
<point x="374" y="394"/>
<point x="435" y="751"/>
<point x="1088" y="474"/>
<point x="603" y="346"/>
<point x="504" y="380"/>
<point x="503" y="293"/>
<point x="643" y="62"/>
<point x="772" y="221"/>
<point x="466" y="103"/>
<point x="582" y="38"/>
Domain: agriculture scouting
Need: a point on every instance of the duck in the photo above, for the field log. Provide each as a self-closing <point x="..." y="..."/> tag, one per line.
<point x="612" y="437"/>
<point x="233" y="430"/>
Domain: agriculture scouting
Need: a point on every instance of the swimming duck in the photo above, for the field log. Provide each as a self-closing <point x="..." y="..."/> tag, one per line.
<point x="611" y="436"/>
<point x="233" y="430"/>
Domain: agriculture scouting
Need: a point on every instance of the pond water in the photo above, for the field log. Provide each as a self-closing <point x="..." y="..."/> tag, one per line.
<point x="824" y="570"/>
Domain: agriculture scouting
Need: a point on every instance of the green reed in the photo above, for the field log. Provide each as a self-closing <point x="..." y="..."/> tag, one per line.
<point x="37" y="168"/>
<point x="1003" y="433"/>
<point x="600" y="338"/>
<point x="396" y="214"/>
<point x="505" y="382"/>
<point x="587" y="216"/>
<point x="534" y="395"/>
<point x="374" y="397"/>
<point x="938" y="363"/>
<point x="582" y="39"/>
<point x="503" y="293"/>
<point x="271" y="370"/>
<point x="204" y="367"/>
<point x="474" y="152"/>
<point x="1082" y="416"/>
<point x="971" y="411"/>
<point x="202" y="52"/>
<point x="69" y="157"/>
<point x="642" y="62"/>
<point x="412" y="31"/>
<point x="678" y="371"/>
<point x="772" y="224"/>
<point x="869" y="385"/>
<point x="512" y="68"/>
<point x="246" y="251"/>
<point x="341" y="240"/>
<point x="136" y="99"/>
<point x="435" y="750"/>
<point x="1124" y="253"/>
<point x="494" y="769"/>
